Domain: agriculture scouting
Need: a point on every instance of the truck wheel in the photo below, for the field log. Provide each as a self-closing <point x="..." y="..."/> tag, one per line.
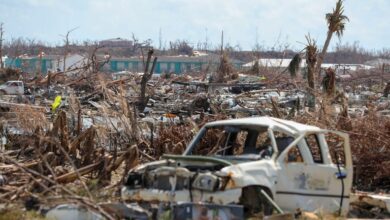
<point x="2" y="92"/>
<point x="254" y="203"/>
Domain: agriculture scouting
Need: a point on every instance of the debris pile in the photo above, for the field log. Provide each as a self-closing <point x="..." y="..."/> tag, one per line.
<point x="80" y="148"/>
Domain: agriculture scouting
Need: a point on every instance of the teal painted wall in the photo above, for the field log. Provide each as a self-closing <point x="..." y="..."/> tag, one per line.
<point x="113" y="66"/>
<point x="177" y="67"/>
<point x="161" y="67"/>
<point x="29" y="65"/>
<point x="158" y="67"/>
<point x="12" y="63"/>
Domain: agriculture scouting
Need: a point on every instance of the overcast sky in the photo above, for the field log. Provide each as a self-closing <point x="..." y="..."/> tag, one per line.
<point x="278" y="22"/>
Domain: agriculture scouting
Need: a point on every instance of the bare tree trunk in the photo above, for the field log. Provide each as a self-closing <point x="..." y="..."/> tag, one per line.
<point x="222" y="43"/>
<point x="311" y="83"/>
<point x="94" y="62"/>
<point x="1" y="46"/>
<point x="66" y="41"/>
<point x="382" y="73"/>
<point x="310" y="76"/>
<point x="145" y="78"/>
<point x="322" y="54"/>
<point x="65" y="52"/>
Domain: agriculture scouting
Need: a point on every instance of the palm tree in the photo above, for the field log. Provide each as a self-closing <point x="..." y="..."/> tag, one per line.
<point x="336" y="24"/>
<point x="311" y="60"/>
<point x="295" y="65"/>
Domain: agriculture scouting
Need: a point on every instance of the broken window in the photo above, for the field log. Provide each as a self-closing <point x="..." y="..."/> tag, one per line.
<point x="282" y="140"/>
<point x="336" y="148"/>
<point x="213" y="137"/>
<point x="233" y="144"/>
<point x="314" y="147"/>
<point x="294" y="155"/>
<point x="233" y="140"/>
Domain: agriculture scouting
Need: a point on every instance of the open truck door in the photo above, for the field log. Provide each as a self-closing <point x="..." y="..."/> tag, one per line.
<point x="316" y="173"/>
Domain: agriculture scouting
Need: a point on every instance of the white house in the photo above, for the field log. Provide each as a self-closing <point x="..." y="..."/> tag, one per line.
<point x="273" y="63"/>
<point x="378" y="62"/>
<point x="72" y="61"/>
<point x="284" y="63"/>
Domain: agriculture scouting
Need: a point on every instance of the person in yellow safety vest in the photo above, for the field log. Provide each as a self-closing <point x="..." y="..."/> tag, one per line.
<point x="56" y="103"/>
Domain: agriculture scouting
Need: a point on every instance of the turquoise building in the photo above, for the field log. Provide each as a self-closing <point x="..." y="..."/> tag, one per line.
<point x="169" y="64"/>
<point x="165" y="64"/>
<point x="31" y="64"/>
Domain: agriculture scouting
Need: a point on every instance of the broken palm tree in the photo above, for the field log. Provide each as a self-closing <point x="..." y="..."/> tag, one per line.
<point x="311" y="60"/>
<point x="386" y="91"/>
<point x="255" y="69"/>
<point x="294" y="67"/>
<point x="145" y="78"/>
<point x="224" y="71"/>
<point x="336" y="25"/>
<point x="329" y="82"/>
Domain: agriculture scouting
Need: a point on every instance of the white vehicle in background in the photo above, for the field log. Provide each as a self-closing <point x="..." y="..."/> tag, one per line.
<point x="12" y="88"/>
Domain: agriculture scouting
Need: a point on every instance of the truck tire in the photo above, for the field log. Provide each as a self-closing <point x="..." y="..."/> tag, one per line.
<point x="2" y="92"/>
<point x="254" y="203"/>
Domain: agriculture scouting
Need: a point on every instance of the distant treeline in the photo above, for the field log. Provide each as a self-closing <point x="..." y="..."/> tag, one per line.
<point x="342" y="53"/>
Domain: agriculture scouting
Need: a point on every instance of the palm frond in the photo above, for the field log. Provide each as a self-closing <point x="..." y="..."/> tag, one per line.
<point x="337" y="20"/>
<point x="294" y="65"/>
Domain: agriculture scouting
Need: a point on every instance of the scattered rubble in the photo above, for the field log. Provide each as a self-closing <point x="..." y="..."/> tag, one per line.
<point x="88" y="144"/>
<point x="73" y="141"/>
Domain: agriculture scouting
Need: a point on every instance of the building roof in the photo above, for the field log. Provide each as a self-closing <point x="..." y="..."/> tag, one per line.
<point x="46" y="57"/>
<point x="284" y="63"/>
<point x="49" y="57"/>
<point x="378" y="62"/>
<point x="273" y="62"/>
<point x="115" y="39"/>
<point x="213" y="58"/>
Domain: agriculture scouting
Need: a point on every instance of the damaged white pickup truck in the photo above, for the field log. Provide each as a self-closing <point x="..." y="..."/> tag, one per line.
<point x="233" y="162"/>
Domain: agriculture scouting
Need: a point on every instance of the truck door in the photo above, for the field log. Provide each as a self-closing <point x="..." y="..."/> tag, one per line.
<point x="20" y="88"/>
<point x="312" y="182"/>
<point x="12" y="88"/>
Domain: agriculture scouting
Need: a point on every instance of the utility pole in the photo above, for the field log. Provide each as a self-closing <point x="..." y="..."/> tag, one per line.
<point x="206" y="44"/>
<point x="222" y="42"/>
<point x="160" y="39"/>
<point x="382" y="73"/>
<point x="257" y="37"/>
<point x="257" y="46"/>
<point x="1" y="46"/>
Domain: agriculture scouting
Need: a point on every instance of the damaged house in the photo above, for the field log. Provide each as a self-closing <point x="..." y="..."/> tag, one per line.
<point x="169" y="64"/>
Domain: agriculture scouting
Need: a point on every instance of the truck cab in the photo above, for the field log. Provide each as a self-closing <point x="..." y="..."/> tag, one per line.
<point x="12" y="88"/>
<point x="232" y="161"/>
